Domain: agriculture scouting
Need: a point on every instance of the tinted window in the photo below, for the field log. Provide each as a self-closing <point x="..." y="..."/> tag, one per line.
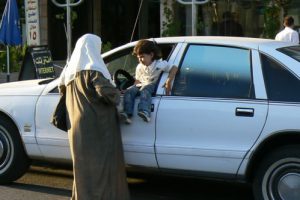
<point x="293" y="52"/>
<point x="281" y="84"/>
<point x="214" y="71"/>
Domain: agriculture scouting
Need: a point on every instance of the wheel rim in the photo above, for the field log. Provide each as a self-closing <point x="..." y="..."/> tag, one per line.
<point x="6" y="150"/>
<point x="1" y="149"/>
<point x="282" y="180"/>
<point x="289" y="186"/>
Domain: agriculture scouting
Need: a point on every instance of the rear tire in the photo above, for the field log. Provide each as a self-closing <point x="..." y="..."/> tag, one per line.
<point x="13" y="159"/>
<point x="278" y="176"/>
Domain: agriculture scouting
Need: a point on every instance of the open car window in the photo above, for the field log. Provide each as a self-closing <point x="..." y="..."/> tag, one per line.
<point x="122" y="60"/>
<point x="128" y="62"/>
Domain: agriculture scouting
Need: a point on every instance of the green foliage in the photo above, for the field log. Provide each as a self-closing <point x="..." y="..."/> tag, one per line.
<point x="16" y="54"/>
<point x="271" y="18"/>
<point x="170" y="26"/>
<point x="106" y="47"/>
<point x="283" y="3"/>
<point x="63" y="16"/>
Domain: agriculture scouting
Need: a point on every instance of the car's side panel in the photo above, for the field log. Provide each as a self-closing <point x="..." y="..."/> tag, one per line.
<point x="282" y="118"/>
<point x="53" y="142"/>
<point x="210" y="137"/>
<point x="21" y="109"/>
<point x="139" y="137"/>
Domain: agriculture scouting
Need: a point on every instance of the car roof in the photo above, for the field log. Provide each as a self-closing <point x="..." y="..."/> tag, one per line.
<point x="242" y="42"/>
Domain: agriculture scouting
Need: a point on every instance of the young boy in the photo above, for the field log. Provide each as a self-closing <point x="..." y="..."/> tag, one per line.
<point x="147" y="73"/>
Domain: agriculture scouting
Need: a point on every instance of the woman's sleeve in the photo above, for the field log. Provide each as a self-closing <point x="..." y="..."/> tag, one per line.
<point x="104" y="89"/>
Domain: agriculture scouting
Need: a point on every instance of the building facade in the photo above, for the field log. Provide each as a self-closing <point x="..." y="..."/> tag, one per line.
<point x="120" y="21"/>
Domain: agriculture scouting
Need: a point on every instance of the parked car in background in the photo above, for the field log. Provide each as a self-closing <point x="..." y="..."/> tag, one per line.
<point x="233" y="114"/>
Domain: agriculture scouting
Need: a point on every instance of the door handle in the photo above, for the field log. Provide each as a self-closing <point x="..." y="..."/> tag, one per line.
<point x="244" y="112"/>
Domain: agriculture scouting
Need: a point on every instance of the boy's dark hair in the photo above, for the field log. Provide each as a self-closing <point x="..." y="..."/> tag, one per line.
<point x="288" y="21"/>
<point x="147" y="47"/>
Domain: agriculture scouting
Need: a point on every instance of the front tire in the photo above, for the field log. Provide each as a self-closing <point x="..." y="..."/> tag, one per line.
<point x="13" y="159"/>
<point x="278" y="176"/>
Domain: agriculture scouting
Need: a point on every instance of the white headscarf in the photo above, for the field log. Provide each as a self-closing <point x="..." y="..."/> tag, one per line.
<point x="86" y="56"/>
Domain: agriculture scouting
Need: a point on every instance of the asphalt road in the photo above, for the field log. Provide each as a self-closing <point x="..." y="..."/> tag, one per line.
<point x="48" y="183"/>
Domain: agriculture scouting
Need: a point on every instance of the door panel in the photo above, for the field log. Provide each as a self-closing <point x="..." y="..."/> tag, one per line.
<point x="52" y="141"/>
<point x="212" y="118"/>
<point x="206" y="134"/>
<point x="138" y="138"/>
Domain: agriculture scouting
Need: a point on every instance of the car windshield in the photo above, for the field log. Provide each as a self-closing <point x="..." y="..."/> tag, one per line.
<point x="293" y="52"/>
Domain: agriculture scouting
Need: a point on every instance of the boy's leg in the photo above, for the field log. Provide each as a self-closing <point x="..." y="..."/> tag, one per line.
<point x="129" y="98"/>
<point x="146" y="98"/>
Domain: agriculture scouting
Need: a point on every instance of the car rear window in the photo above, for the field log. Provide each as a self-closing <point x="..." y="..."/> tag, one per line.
<point x="281" y="84"/>
<point x="293" y="52"/>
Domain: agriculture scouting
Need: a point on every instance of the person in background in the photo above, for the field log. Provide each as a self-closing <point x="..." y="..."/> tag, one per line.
<point x="288" y="34"/>
<point x="147" y="73"/>
<point x="93" y="125"/>
<point x="229" y="26"/>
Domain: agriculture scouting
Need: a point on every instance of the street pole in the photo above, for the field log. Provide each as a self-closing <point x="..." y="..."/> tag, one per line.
<point x="7" y="67"/>
<point x="194" y="18"/>
<point x="69" y="30"/>
<point x="193" y="3"/>
<point x="68" y="6"/>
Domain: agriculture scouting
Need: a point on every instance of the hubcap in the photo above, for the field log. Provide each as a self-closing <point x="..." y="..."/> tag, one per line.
<point x="5" y="149"/>
<point x="282" y="180"/>
<point x="289" y="186"/>
<point x="1" y="149"/>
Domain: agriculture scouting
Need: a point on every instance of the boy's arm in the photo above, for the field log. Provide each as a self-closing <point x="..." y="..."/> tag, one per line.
<point x="170" y="79"/>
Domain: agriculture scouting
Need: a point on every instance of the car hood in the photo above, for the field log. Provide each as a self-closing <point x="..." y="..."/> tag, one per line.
<point x="30" y="87"/>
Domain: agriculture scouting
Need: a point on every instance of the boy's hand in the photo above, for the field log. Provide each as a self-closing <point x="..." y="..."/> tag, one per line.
<point x="168" y="83"/>
<point x="137" y="82"/>
<point x="167" y="86"/>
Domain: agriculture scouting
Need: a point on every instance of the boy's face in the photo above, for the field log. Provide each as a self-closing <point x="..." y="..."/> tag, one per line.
<point x="145" y="59"/>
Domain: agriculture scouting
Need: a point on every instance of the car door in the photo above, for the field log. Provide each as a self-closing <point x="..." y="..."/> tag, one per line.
<point x="214" y="114"/>
<point x="138" y="137"/>
<point x="53" y="142"/>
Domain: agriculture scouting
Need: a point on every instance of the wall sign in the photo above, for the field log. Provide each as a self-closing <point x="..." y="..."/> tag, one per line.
<point x="37" y="64"/>
<point x="32" y="22"/>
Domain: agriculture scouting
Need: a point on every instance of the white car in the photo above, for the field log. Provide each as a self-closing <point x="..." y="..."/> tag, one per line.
<point x="233" y="113"/>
